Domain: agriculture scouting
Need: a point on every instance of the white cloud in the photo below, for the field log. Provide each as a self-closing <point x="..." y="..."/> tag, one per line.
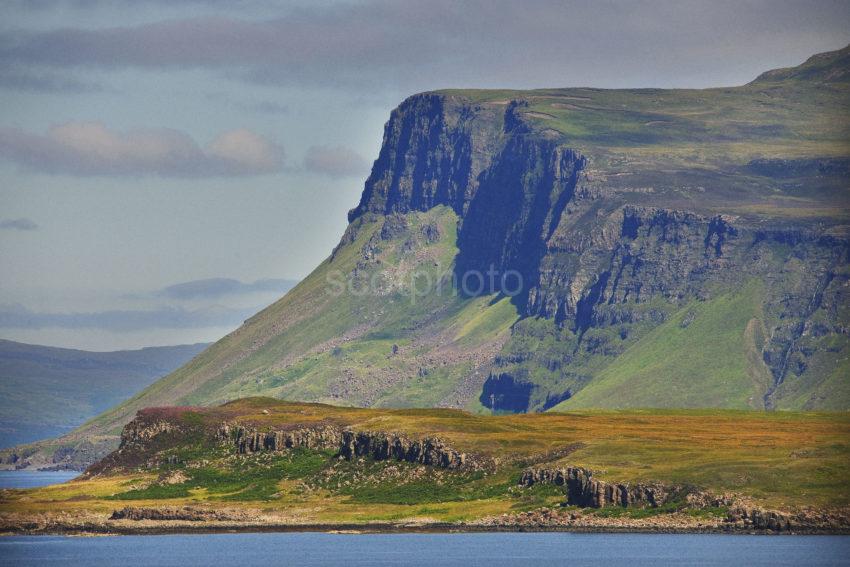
<point x="247" y="150"/>
<point x="90" y="148"/>
<point x="336" y="161"/>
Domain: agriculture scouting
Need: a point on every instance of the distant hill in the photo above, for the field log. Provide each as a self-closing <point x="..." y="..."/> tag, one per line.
<point x="47" y="391"/>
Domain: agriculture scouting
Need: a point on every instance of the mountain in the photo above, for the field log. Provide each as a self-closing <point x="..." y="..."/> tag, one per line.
<point x="46" y="391"/>
<point x="519" y="251"/>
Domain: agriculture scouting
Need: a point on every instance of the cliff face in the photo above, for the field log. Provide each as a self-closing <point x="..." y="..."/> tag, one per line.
<point x="434" y="149"/>
<point x="607" y="264"/>
<point x="581" y="489"/>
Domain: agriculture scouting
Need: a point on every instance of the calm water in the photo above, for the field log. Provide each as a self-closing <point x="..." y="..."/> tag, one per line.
<point x="463" y="550"/>
<point x="27" y="479"/>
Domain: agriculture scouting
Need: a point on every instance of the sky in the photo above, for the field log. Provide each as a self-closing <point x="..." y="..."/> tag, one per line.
<point x="169" y="168"/>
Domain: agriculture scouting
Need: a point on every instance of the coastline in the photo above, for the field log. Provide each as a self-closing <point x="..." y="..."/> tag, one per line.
<point x="114" y="528"/>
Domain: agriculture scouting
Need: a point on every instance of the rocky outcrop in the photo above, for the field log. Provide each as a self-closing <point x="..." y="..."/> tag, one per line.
<point x="350" y="445"/>
<point x="382" y="446"/>
<point x="585" y="491"/>
<point x="749" y="517"/>
<point x="185" y="514"/>
<point x="248" y="440"/>
<point x="761" y="519"/>
<point x="434" y="150"/>
<point x="141" y="431"/>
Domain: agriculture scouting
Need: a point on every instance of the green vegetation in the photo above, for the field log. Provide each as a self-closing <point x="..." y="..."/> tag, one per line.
<point x="698" y="358"/>
<point x="250" y="478"/>
<point x="782" y="457"/>
<point x="785" y="461"/>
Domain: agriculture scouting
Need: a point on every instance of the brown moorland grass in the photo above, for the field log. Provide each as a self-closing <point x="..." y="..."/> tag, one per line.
<point x="783" y="457"/>
<point x="785" y="460"/>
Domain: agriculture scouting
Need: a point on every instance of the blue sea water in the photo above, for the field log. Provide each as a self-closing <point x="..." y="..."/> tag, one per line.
<point x="31" y="479"/>
<point x="460" y="550"/>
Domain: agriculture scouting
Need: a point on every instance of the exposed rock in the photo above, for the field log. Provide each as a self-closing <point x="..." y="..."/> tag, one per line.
<point x="252" y="440"/>
<point x="382" y="446"/>
<point x="186" y="513"/>
<point x="585" y="491"/>
<point x="351" y="444"/>
<point x="588" y="256"/>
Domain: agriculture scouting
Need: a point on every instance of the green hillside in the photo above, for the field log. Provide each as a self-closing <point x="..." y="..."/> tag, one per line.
<point x="701" y="357"/>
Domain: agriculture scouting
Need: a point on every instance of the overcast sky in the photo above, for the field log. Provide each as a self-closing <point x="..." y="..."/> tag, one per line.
<point x="166" y="168"/>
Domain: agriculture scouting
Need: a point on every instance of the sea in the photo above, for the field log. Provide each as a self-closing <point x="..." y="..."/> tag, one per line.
<point x="32" y="479"/>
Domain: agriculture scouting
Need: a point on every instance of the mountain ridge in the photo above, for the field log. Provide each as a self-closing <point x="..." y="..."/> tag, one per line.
<point x="48" y="391"/>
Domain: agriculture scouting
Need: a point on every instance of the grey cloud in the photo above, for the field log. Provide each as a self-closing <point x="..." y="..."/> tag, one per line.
<point x="18" y="224"/>
<point x="415" y="45"/>
<point x="18" y="317"/>
<point x="90" y="148"/>
<point x="258" y="107"/>
<point x="28" y="80"/>
<point x="84" y="4"/>
<point x="267" y="107"/>
<point x="336" y="161"/>
<point x="170" y="316"/>
<point x="219" y="287"/>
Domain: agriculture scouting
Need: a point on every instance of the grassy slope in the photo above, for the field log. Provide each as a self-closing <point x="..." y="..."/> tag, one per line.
<point x="311" y="341"/>
<point x="691" y="145"/>
<point x="783" y="460"/>
<point x="701" y="357"/>
<point x="688" y="144"/>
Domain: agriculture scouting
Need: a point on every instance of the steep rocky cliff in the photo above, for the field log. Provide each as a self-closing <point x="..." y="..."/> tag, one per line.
<point x="606" y="263"/>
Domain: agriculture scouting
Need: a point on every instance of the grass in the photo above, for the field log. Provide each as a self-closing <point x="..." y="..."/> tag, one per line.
<point x="785" y="460"/>
<point x="782" y="457"/>
<point x="699" y="358"/>
<point x="251" y="478"/>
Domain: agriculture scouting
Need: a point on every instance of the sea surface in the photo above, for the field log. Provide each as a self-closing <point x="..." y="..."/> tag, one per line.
<point x="31" y="479"/>
<point x="462" y="550"/>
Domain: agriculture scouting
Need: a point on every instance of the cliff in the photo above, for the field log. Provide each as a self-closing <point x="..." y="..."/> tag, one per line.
<point x="607" y="263"/>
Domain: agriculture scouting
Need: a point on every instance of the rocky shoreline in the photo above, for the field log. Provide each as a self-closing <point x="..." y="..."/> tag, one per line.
<point x="160" y="521"/>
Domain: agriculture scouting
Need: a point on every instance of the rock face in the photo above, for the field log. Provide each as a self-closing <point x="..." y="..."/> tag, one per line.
<point x="602" y="260"/>
<point x="350" y="445"/>
<point x="390" y="446"/>
<point x="186" y="514"/>
<point x="760" y="519"/>
<point x="254" y="441"/>
<point x="585" y="491"/>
